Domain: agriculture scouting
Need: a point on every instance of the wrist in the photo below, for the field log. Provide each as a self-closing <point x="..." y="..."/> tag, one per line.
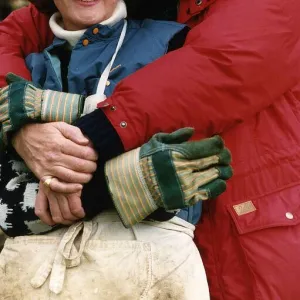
<point x="14" y="146"/>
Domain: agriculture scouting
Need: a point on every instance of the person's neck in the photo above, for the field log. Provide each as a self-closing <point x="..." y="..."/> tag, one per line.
<point x="72" y="37"/>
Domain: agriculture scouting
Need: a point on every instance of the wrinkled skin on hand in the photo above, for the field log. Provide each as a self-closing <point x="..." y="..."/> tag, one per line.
<point x="57" y="150"/>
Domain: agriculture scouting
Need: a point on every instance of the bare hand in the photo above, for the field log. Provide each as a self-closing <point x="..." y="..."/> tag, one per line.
<point x="58" y="150"/>
<point x="54" y="208"/>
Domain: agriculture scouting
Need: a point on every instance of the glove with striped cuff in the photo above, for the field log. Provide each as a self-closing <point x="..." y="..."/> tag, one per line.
<point x="21" y="102"/>
<point x="167" y="172"/>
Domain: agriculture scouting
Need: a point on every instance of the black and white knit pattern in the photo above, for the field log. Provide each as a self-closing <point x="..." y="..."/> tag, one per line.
<point x="18" y="191"/>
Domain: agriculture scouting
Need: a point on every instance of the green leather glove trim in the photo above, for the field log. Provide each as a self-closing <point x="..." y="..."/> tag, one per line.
<point x="171" y="194"/>
<point x="24" y="103"/>
<point x="11" y="78"/>
<point x="167" y="172"/>
<point x="18" y="104"/>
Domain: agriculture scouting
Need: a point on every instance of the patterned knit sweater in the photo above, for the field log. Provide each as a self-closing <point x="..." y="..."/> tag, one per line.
<point x="18" y="190"/>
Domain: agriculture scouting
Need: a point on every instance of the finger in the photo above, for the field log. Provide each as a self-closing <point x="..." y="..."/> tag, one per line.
<point x="55" y="210"/>
<point x="209" y="191"/>
<point x="72" y="133"/>
<point x="186" y="166"/>
<point x="223" y="158"/>
<point x="11" y="77"/>
<point x="63" y="204"/>
<point x="90" y="144"/>
<point x="80" y="151"/>
<point x="203" y="148"/>
<point x="225" y="172"/>
<point x="70" y="176"/>
<point x="204" y="177"/>
<point x="78" y="164"/>
<point x="41" y="208"/>
<point x="62" y="187"/>
<point x="176" y="137"/>
<point x="65" y="187"/>
<point x="76" y="205"/>
<point x="209" y="175"/>
<point x="194" y="181"/>
<point x="212" y="190"/>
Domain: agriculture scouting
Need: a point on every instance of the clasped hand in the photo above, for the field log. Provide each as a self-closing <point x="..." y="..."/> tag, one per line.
<point x="61" y="151"/>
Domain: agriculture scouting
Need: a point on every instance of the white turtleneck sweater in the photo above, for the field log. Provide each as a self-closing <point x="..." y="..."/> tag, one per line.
<point x="72" y="37"/>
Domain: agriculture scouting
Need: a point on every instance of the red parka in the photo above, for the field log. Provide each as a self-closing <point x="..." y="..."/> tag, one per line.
<point x="238" y="75"/>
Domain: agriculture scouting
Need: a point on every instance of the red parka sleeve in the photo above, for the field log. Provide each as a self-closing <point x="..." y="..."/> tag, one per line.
<point x="22" y="32"/>
<point x="235" y="63"/>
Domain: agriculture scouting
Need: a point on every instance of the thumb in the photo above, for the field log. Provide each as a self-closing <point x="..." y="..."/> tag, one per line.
<point x="177" y="137"/>
<point x="72" y="133"/>
<point x="11" y="78"/>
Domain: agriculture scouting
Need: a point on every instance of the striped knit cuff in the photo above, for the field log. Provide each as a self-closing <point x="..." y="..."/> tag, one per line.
<point x="128" y="188"/>
<point x="32" y="101"/>
<point x="59" y="106"/>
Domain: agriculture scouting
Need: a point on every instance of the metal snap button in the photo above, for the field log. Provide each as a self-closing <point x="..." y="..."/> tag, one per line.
<point x="113" y="108"/>
<point x="123" y="124"/>
<point x="198" y="2"/>
<point x="289" y="216"/>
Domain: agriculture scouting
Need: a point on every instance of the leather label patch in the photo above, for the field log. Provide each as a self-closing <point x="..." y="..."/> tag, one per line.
<point x="244" y="208"/>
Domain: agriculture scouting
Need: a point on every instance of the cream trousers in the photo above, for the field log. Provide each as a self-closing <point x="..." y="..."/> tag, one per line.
<point x="102" y="260"/>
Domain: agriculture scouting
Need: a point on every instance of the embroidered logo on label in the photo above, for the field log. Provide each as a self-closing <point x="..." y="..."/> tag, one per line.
<point x="244" y="208"/>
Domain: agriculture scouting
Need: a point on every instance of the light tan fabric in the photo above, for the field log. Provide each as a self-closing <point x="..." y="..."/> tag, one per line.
<point x="103" y="260"/>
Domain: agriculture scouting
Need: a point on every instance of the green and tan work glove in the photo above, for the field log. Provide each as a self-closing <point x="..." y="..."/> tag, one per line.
<point x="21" y="102"/>
<point x="167" y="172"/>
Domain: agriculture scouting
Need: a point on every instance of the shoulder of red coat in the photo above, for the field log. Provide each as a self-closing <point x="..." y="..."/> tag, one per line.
<point x="192" y="8"/>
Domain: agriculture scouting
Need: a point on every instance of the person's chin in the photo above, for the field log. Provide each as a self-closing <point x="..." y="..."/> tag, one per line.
<point x="89" y="19"/>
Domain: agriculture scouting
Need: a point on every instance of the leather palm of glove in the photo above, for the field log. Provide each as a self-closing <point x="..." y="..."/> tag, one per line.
<point x="21" y="102"/>
<point x="167" y="172"/>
